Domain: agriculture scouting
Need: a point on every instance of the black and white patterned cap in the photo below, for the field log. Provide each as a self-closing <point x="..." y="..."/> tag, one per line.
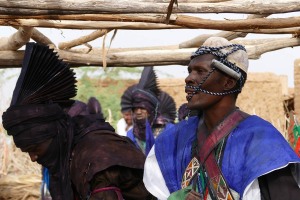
<point x="232" y="55"/>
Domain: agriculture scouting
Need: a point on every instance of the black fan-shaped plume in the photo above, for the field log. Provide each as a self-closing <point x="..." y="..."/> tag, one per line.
<point x="148" y="81"/>
<point x="126" y="98"/>
<point x="167" y="106"/>
<point x="44" y="77"/>
<point x="94" y="107"/>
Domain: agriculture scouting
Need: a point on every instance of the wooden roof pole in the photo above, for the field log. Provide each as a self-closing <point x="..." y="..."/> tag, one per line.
<point x="134" y="58"/>
<point x="229" y="35"/>
<point x="83" y="40"/>
<point x="16" y="40"/>
<point x="129" y="6"/>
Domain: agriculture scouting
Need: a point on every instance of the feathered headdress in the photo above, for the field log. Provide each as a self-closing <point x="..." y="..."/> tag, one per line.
<point x="126" y="98"/>
<point x="45" y="84"/>
<point x="167" y="109"/>
<point x="43" y="78"/>
<point x="146" y="92"/>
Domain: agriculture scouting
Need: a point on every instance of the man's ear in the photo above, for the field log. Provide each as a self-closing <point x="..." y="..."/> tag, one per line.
<point x="230" y="83"/>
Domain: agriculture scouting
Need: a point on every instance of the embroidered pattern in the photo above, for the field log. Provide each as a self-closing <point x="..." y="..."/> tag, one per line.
<point x="189" y="173"/>
<point x="219" y="186"/>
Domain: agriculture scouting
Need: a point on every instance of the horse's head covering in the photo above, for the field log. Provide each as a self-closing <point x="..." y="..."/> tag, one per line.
<point x="46" y="84"/>
<point x="233" y="56"/>
<point x="145" y="94"/>
<point x="94" y="107"/>
<point x="166" y="110"/>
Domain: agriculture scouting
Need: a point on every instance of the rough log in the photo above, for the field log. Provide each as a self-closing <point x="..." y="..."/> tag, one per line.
<point x="181" y="21"/>
<point x="98" y="51"/>
<point x="155" y="18"/>
<point x="197" y="41"/>
<point x="16" y="40"/>
<point x="294" y="30"/>
<point x="128" y="6"/>
<point x="69" y="24"/>
<point x="82" y="40"/>
<point x="235" y="24"/>
<point x="258" y="50"/>
<point x="141" y="58"/>
<point x="39" y="37"/>
<point x="251" y="42"/>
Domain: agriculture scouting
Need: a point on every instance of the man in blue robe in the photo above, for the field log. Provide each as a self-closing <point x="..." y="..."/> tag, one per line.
<point x="225" y="153"/>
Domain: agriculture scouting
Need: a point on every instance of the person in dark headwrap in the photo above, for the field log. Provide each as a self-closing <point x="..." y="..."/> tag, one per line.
<point x="86" y="159"/>
<point x="145" y="104"/>
<point x="184" y="112"/>
<point x="93" y="107"/>
<point x="125" y="123"/>
<point x="166" y="114"/>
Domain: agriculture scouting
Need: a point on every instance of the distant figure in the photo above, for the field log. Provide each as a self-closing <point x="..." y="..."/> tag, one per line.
<point x="125" y="123"/>
<point x="184" y="112"/>
<point x="166" y="114"/>
<point x="144" y="103"/>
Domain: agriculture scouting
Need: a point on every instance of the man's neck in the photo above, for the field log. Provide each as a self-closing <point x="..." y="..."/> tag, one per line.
<point x="212" y="119"/>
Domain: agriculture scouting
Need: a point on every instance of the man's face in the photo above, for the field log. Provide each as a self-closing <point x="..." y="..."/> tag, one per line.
<point x="127" y="115"/>
<point x="140" y="113"/>
<point x="37" y="151"/>
<point x="199" y="69"/>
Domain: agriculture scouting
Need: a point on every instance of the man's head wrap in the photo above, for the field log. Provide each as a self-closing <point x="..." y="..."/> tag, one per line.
<point x="166" y="110"/>
<point x="184" y="112"/>
<point x="231" y="58"/>
<point x="35" y="115"/>
<point x="145" y="94"/>
<point x="127" y="99"/>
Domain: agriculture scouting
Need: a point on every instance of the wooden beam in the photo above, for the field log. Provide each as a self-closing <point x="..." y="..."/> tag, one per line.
<point x="84" y="39"/>
<point x="129" y="6"/>
<point x="257" y="50"/>
<point x="198" y="41"/>
<point x="135" y="58"/>
<point x="235" y="24"/>
<point x="294" y="30"/>
<point x="69" y="24"/>
<point x="39" y="37"/>
<point x="155" y="18"/>
<point x="179" y="21"/>
<point x="16" y="40"/>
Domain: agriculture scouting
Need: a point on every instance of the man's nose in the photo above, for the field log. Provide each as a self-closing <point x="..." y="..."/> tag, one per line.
<point x="138" y="110"/>
<point x="33" y="157"/>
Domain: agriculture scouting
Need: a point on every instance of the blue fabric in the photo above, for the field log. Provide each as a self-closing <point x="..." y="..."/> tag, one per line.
<point x="253" y="148"/>
<point x="173" y="151"/>
<point x="45" y="177"/>
<point x="149" y="138"/>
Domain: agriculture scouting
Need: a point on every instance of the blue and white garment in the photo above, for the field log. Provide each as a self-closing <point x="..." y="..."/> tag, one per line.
<point x="149" y="137"/>
<point x="254" y="148"/>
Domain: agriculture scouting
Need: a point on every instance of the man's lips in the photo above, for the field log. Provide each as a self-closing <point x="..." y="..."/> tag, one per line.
<point x="189" y="94"/>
